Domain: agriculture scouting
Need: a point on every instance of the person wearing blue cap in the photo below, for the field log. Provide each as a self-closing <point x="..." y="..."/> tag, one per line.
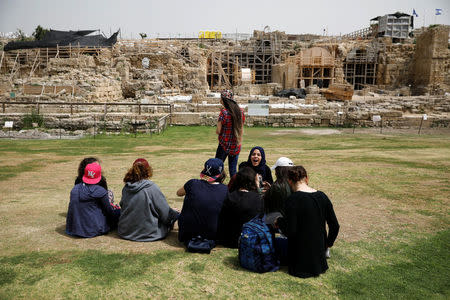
<point x="202" y="202"/>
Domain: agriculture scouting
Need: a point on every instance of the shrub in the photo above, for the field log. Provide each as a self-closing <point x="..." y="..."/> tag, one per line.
<point x="34" y="117"/>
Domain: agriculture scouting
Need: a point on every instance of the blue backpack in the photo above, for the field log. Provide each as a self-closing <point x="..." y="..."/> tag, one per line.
<point x="256" y="251"/>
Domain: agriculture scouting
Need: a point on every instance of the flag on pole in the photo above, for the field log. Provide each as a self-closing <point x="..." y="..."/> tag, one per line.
<point x="415" y="14"/>
<point x="438" y="11"/>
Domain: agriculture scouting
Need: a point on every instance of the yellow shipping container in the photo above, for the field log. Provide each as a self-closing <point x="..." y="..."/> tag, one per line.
<point x="210" y="35"/>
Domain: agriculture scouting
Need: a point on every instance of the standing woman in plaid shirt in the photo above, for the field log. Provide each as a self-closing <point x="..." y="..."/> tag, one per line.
<point x="230" y="130"/>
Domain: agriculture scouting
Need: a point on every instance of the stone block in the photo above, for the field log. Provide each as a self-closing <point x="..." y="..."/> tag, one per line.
<point x="391" y="114"/>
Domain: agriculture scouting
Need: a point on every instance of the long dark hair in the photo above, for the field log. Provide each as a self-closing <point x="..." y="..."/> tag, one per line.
<point x="275" y="197"/>
<point x="82" y="166"/>
<point x="245" y="179"/>
<point x="236" y="116"/>
<point x="282" y="173"/>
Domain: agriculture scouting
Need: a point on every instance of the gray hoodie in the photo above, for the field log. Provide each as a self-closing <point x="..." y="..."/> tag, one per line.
<point x="145" y="215"/>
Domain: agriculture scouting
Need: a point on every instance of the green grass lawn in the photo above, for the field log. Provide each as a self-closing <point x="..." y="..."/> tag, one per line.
<point x="390" y="193"/>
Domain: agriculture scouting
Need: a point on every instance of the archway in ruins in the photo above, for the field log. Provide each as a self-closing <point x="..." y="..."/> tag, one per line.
<point x="315" y="66"/>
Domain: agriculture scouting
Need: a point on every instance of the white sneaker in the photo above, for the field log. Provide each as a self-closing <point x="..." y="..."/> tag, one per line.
<point x="327" y="253"/>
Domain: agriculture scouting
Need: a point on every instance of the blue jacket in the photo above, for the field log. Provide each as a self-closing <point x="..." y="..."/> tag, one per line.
<point x="88" y="210"/>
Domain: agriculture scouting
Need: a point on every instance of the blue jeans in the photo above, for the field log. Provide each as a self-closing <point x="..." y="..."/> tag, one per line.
<point x="232" y="159"/>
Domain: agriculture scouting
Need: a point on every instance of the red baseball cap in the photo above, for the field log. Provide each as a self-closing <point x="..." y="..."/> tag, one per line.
<point x="92" y="173"/>
<point x="142" y="161"/>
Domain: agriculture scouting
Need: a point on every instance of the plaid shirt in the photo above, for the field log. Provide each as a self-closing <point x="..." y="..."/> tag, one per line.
<point x="226" y="137"/>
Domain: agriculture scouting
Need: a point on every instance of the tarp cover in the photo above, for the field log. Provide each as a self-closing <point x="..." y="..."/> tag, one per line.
<point x="66" y="38"/>
<point x="298" y="93"/>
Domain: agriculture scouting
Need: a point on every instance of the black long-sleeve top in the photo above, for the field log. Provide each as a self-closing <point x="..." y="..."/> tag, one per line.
<point x="238" y="208"/>
<point x="304" y="225"/>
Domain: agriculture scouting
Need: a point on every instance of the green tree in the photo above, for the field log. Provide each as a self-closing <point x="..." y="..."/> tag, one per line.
<point x="21" y="36"/>
<point x="39" y="32"/>
<point x="143" y="35"/>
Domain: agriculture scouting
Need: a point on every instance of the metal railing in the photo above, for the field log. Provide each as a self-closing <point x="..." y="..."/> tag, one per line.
<point x="75" y="104"/>
<point x="160" y="124"/>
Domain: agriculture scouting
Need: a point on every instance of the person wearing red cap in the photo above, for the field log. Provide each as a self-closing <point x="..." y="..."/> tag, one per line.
<point x="230" y="131"/>
<point x="89" y="209"/>
<point x="146" y="215"/>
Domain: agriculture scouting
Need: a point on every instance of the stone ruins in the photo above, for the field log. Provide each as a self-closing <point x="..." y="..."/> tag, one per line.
<point x="280" y="80"/>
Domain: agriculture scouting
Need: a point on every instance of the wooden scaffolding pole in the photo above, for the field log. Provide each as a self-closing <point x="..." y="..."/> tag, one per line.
<point x="212" y="71"/>
<point x="34" y="66"/>
<point x="222" y="73"/>
<point x="1" y="60"/>
<point x="13" y="68"/>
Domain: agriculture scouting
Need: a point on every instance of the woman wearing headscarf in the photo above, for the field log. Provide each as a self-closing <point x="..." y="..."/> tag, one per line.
<point x="257" y="161"/>
<point x="230" y="128"/>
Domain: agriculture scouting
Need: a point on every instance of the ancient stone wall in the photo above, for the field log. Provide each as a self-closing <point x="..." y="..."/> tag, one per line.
<point x="397" y="112"/>
<point x="431" y="69"/>
<point x="173" y="65"/>
<point x="394" y="67"/>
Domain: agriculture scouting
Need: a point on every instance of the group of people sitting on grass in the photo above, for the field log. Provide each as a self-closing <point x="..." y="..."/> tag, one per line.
<point x="295" y="212"/>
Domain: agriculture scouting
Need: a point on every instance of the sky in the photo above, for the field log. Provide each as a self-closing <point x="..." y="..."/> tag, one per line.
<point x="185" y="18"/>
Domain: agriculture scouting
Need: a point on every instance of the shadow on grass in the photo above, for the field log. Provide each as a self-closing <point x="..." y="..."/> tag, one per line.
<point x="97" y="267"/>
<point x="422" y="273"/>
<point x="61" y="229"/>
<point x="172" y="240"/>
<point x="232" y="262"/>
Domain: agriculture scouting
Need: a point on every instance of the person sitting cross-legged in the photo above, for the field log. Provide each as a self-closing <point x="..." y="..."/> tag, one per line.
<point x="146" y="215"/>
<point x="306" y="213"/>
<point x="203" y="200"/>
<point x="239" y="207"/>
<point x="90" y="212"/>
